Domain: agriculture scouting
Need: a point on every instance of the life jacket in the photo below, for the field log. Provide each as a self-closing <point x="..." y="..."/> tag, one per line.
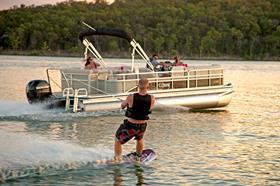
<point x="140" y="108"/>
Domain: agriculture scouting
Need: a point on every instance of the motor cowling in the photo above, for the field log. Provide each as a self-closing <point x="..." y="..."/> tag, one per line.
<point x="38" y="91"/>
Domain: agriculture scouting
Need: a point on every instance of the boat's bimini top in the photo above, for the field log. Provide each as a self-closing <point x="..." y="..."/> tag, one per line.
<point x="105" y="31"/>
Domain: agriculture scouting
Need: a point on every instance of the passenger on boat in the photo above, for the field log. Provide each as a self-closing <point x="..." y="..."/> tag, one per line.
<point x="158" y="66"/>
<point x="138" y="108"/>
<point x="178" y="62"/>
<point x="91" y="64"/>
<point x="154" y="61"/>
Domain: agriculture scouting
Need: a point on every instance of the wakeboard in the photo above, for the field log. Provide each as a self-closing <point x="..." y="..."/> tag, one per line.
<point x="148" y="155"/>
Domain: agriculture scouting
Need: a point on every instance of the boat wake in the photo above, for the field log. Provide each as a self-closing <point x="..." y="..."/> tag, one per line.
<point x="10" y="110"/>
<point x="24" y="155"/>
<point x="170" y="108"/>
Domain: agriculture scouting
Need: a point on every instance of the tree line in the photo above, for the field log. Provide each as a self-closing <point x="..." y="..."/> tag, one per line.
<point x="192" y="28"/>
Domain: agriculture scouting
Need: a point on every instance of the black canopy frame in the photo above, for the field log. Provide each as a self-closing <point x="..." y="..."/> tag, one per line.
<point x="115" y="33"/>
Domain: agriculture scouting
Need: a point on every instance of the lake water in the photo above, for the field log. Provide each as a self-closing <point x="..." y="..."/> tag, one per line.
<point x="235" y="145"/>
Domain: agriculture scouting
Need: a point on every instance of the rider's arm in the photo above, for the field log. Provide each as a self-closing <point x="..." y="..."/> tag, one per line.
<point x="126" y="102"/>
<point x="152" y="101"/>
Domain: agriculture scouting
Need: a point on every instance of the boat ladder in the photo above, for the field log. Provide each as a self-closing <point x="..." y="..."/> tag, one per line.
<point x="72" y="98"/>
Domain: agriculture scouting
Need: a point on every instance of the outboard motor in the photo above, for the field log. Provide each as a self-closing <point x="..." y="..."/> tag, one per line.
<point x="38" y="91"/>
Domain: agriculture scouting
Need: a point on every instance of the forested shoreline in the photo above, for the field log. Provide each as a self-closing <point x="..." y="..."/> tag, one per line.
<point x="200" y="29"/>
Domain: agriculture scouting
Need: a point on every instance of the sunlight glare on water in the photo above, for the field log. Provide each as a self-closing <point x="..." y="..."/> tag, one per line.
<point x="235" y="145"/>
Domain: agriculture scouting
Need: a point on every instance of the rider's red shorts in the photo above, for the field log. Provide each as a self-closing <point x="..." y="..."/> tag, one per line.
<point x="128" y="130"/>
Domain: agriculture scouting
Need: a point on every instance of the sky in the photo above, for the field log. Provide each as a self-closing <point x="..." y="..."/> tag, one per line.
<point x="6" y="4"/>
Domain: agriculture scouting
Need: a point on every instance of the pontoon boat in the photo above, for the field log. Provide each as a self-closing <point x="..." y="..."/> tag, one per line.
<point x="196" y="87"/>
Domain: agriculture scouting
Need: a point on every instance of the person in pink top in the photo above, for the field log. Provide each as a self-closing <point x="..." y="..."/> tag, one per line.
<point x="178" y="62"/>
<point x="91" y="64"/>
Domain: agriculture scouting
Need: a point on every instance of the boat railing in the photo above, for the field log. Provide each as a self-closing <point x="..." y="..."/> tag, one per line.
<point x="107" y="82"/>
<point x="177" y="78"/>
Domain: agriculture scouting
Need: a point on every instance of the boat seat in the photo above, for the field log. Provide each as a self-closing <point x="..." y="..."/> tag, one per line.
<point x="76" y="71"/>
<point x="146" y="73"/>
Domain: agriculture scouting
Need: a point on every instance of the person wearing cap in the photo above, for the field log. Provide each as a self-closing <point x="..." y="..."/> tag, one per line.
<point x="154" y="61"/>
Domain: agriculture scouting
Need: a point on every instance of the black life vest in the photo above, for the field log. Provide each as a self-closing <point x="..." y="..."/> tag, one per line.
<point x="140" y="108"/>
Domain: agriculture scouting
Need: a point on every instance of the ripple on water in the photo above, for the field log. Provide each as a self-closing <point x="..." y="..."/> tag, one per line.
<point x="236" y="145"/>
